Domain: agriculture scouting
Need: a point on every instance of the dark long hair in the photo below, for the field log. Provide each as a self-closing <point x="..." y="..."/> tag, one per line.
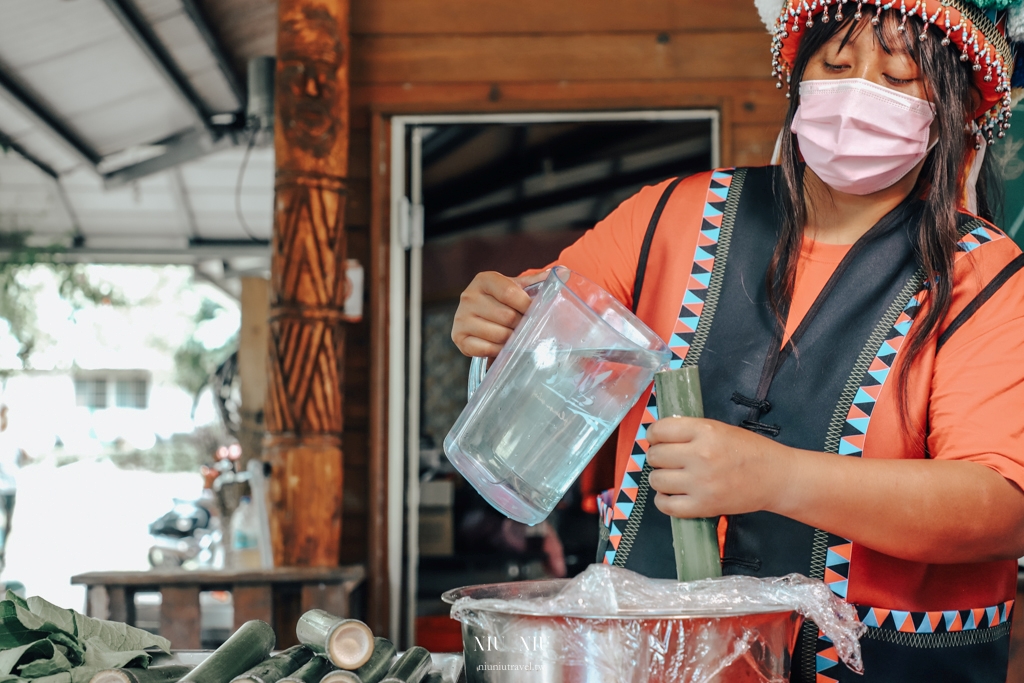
<point x="948" y="82"/>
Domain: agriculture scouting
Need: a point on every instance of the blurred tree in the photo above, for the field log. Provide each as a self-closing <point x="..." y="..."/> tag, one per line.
<point x="194" y="362"/>
<point x="16" y="297"/>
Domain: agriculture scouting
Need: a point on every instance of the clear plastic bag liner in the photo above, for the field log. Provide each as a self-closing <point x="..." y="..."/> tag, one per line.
<point x="620" y="625"/>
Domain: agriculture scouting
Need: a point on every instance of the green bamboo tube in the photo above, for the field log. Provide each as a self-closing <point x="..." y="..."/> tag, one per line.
<point x="695" y="541"/>
<point x="247" y="647"/>
<point x="312" y="671"/>
<point x="277" y="667"/>
<point x="434" y="677"/>
<point x="341" y="676"/>
<point x="154" y="674"/>
<point x="411" y="667"/>
<point x="379" y="663"/>
<point x="348" y="643"/>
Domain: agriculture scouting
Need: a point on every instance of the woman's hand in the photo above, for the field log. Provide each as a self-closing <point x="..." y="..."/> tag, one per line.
<point x="489" y="310"/>
<point x="705" y="468"/>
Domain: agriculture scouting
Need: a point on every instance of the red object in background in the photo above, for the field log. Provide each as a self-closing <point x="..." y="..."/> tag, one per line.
<point x="599" y="475"/>
<point x="439" y="633"/>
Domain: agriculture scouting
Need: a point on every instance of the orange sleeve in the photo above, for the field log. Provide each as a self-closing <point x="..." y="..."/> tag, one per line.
<point x="608" y="253"/>
<point x="976" y="412"/>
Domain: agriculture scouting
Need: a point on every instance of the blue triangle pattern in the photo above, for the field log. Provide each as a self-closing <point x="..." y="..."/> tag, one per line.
<point x="925" y="626"/>
<point x="653" y="410"/>
<point x="903" y="327"/>
<point x="847" y="448"/>
<point x="712" y="234"/>
<point x="703" y="278"/>
<point x="863" y="397"/>
<point x="886" y="349"/>
<point x="823" y="663"/>
<point x="701" y="255"/>
<point x="990" y="612"/>
<point x="691" y="298"/>
<point x="839" y="588"/>
<point x="870" y="619"/>
<point x="676" y="340"/>
<point x="675" y="363"/>
<point x="859" y="423"/>
<point x="969" y="625"/>
<point x="899" y="618"/>
<point x="628" y="482"/>
<point x="691" y="322"/>
<point x="710" y="211"/>
<point x="720" y="192"/>
<point x="639" y="460"/>
<point x="625" y="508"/>
<point x="833" y="558"/>
<point x="950" y="617"/>
<point x="609" y="557"/>
<point x="879" y="375"/>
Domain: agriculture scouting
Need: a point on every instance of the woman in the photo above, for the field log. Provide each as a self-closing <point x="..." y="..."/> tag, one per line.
<point x="859" y="334"/>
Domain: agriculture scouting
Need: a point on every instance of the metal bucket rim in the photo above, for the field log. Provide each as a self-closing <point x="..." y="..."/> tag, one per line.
<point x="451" y="596"/>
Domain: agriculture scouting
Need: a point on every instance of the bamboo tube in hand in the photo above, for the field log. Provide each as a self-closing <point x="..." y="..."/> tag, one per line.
<point x="695" y="541"/>
<point x="411" y="667"/>
<point x="348" y="643"/>
<point x="247" y="647"/>
<point x="277" y="667"/>
<point x="312" y="671"/>
<point x="154" y="674"/>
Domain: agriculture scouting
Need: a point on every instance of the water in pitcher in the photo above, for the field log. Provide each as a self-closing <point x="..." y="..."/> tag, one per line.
<point x="557" y="399"/>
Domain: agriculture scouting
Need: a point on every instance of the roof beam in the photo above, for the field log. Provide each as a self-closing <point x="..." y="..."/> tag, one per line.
<point x="45" y="119"/>
<point x="202" y="24"/>
<point x="8" y="142"/>
<point x="179" y="149"/>
<point x="143" y="35"/>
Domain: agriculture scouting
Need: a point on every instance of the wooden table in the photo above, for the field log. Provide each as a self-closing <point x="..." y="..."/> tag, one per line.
<point x="276" y="596"/>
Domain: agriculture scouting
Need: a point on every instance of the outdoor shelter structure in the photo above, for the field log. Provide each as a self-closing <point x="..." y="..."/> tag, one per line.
<point x="126" y="123"/>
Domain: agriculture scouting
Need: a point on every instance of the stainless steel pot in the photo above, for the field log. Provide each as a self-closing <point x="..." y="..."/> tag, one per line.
<point x="750" y="645"/>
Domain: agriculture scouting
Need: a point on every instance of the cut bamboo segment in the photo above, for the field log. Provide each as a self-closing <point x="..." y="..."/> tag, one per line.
<point x="278" y="666"/>
<point x="434" y="677"/>
<point x="247" y="647"/>
<point x="154" y="674"/>
<point x="348" y="643"/>
<point x="342" y="676"/>
<point x="695" y="541"/>
<point x="312" y="671"/>
<point x="411" y="667"/>
<point x="379" y="663"/>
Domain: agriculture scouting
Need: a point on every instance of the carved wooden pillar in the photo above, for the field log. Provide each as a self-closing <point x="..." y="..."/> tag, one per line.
<point x="304" y="400"/>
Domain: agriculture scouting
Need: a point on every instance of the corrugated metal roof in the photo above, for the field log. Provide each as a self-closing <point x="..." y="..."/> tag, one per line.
<point x="92" y="90"/>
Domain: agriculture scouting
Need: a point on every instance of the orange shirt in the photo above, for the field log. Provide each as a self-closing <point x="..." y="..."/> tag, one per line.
<point x="818" y="260"/>
<point x="967" y="398"/>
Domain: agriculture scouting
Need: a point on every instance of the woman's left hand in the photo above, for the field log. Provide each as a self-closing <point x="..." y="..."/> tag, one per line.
<point x="706" y="468"/>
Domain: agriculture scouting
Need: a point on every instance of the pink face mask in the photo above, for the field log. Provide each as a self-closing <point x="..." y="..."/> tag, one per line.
<point x="859" y="137"/>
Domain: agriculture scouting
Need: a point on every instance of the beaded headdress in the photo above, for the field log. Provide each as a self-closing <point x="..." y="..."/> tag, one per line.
<point x="987" y="33"/>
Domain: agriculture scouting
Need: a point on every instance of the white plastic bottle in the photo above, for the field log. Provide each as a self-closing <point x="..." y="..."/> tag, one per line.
<point x="245" y="536"/>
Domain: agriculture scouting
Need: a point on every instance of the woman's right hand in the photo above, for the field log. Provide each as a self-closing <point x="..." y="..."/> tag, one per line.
<point x="489" y="310"/>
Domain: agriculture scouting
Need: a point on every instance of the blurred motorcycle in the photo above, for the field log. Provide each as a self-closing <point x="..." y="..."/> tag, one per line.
<point x="188" y="536"/>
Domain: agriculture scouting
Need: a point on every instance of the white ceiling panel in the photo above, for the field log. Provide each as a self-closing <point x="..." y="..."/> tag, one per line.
<point x="213" y="87"/>
<point x="36" y="31"/>
<point x="132" y="121"/>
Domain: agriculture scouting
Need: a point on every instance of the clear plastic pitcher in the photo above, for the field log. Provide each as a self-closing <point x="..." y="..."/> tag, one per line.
<point x="575" y="365"/>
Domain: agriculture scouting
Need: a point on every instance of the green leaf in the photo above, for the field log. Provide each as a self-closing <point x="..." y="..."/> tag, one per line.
<point x="115" y="635"/>
<point x="54" y="664"/>
<point x="23" y="654"/>
<point x="99" y="656"/>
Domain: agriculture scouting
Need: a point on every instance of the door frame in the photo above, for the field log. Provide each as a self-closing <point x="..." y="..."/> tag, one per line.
<point x="396" y="245"/>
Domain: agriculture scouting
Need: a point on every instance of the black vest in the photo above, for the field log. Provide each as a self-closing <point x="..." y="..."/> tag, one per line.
<point x="801" y="396"/>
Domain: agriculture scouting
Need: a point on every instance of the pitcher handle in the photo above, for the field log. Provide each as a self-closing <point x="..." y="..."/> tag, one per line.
<point x="478" y="366"/>
<point x="477" y="370"/>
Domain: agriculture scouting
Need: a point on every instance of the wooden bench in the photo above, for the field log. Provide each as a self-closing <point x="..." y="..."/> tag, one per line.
<point x="276" y="596"/>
